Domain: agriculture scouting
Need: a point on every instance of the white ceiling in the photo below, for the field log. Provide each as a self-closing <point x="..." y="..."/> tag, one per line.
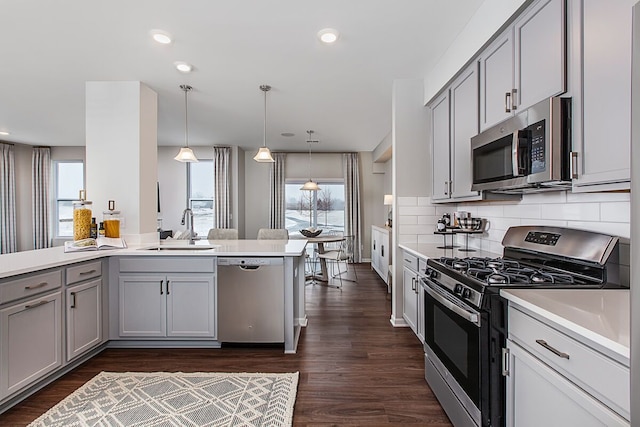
<point x="49" y="49"/>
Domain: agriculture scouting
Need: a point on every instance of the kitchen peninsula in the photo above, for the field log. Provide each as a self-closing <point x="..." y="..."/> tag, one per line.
<point x="73" y="305"/>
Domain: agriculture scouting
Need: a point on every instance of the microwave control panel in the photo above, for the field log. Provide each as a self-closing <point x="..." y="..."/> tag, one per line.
<point x="537" y="145"/>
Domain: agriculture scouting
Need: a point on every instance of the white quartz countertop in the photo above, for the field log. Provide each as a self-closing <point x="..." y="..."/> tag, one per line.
<point x="40" y="259"/>
<point x="431" y="250"/>
<point x="599" y="318"/>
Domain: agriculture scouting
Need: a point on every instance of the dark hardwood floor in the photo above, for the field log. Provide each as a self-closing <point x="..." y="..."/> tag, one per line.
<point x="355" y="368"/>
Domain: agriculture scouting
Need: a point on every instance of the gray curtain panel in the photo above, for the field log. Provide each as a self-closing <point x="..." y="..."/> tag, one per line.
<point x="276" y="186"/>
<point x="8" y="241"/>
<point x="352" y="215"/>
<point x="221" y="184"/>
<point x="40" y="177"/>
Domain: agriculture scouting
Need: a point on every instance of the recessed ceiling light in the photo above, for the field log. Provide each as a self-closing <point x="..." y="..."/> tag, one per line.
<point x="183" y="67"/>
<point x="5" y="133"/>
<point x="328" y="35"/>
<point x="288" y="134"/>
<point x="161" y="37"/>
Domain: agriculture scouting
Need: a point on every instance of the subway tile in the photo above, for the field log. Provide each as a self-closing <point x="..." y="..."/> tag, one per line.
<point x="407" y="201"/>
<point x="443" y="209"/>
<point x="615" y="211"/>
<point x="407" y="238"/>
<point x="416" y="210"/>
<point x="407" y="219"/>
<point x="501" y="223"/>
<point x="571" y="211"/>
<point x="490" y="211"/>
<point x="614" y="228"/>
<point x="545" y="222"/>
<point x="522" y="211"/>
<point x="544" y="198"/>
<point x="424" y="201"/>
<point x="598" y="197"/>
<point x="428" y="219"/>
<point x="429" y="238"/>
<point x="414" y="229"/>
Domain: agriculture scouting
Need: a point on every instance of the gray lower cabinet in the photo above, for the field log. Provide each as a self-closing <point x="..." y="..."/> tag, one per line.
<point x="413" y="294"/>
<point x="83" y="307"/>
<point x="171" y="305"/>
<point x="30" y="341"/>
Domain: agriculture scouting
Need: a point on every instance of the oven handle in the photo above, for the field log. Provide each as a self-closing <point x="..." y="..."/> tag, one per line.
<point x="467" y="315"/>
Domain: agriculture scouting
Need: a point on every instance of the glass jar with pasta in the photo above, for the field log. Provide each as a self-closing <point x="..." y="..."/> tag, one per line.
<point x="82" y="219"/>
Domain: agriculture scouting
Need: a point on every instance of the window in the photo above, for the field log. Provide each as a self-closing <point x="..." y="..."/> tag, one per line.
<point x="200" y="193"/>
<point x="69" y="180"/>
<point x="322" y="209"/>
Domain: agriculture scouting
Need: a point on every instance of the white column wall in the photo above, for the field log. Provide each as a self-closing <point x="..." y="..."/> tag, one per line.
<point x="121" y="153"/>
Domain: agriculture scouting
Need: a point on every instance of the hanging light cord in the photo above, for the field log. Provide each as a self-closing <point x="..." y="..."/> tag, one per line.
<point x="186" y="89"/>
<point x="309" y="142"/>
<point x="264" y="133"/>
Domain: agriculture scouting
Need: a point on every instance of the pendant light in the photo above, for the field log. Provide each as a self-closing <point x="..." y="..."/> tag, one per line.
<point x="310" y="185"/>
<point x="264" y="154"/>
<point x="186" y="154"/>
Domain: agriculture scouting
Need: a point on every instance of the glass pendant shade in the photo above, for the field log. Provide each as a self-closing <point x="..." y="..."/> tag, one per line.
<point x="264" y="154"/>
<point x="186" y="154"/>
<point x="310" y="186"/>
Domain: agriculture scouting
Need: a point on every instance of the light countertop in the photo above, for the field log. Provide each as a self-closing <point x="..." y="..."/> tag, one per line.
<point x="431" y="250"/>
<point x="598" y="317"/>
<point x="40" y="259"/>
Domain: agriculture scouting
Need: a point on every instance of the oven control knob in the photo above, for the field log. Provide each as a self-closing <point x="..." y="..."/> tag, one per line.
<point x="457" y="289"/>
<point x="431" y="273"/>
<point x="466" y="294"/>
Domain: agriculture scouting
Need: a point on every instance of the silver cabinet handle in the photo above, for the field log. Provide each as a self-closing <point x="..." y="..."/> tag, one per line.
<point x="168" y="281"/>
<point x="382" y="250"/>
<point x="82" y="273"/>
<point x="505" y="362"/>
<point x="36" y="305"/>
<point x="507" y="101"/>
<point x="408" y="260"/>
<point x="73" y="296"/>
<point x="413" y="284"/>
<point x="161" y="291"/>
<point x="39" y="285"/>
<point x="374" y="245"/>
<point x="574" y="165"/>
<point x="553" y="350"/>
<point x="514" y="103"/>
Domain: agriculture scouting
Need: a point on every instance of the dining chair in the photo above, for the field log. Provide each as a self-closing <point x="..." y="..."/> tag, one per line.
<point x="343" y="254"/>
<point x="273" y="234"/>
<point x="222" y="234"/>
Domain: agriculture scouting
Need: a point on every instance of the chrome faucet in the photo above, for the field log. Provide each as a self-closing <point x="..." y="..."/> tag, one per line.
<point x="192" y="233"/>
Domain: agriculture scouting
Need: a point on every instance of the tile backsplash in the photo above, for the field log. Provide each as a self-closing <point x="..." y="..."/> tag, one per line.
<point x="601" y="212"/>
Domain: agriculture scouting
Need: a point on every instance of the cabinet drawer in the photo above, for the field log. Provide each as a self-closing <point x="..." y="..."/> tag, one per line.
<point x="31" y="285"/>
<point x="410" y="261"/>
<point x="600" y="376"/>
<point x="84" y="271"/>
<point x="168" y="265"/>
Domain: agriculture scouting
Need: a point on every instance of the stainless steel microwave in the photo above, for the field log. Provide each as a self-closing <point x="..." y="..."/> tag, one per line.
<point x="529" y="152"/>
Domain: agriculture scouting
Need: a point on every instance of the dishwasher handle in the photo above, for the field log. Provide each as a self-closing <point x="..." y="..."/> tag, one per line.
<point x="249" y="267"/>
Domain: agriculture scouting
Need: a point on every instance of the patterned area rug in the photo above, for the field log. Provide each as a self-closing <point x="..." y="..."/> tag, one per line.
<point x="177" y="399"/>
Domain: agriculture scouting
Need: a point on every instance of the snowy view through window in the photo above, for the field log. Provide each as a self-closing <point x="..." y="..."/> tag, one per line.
<point x="321" y="209"/>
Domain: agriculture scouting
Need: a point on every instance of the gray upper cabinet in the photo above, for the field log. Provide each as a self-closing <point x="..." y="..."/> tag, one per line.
<point x="525" y="64"/>
<point x="602" y="154"/>
<point x="440" y="140"/>
<point x="454" y="118"/>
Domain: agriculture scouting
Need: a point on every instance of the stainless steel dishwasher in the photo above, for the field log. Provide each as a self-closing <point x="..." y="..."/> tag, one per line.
<point x="250" y="300"/>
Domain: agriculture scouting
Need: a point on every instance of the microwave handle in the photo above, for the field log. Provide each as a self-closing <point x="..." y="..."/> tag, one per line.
<point x="514" y="153"/>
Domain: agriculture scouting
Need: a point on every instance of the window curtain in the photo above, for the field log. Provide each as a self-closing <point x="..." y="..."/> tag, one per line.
<point x="276" y="186"/>
<point x="352" y="215"/>
<point x="8" y="242"/>
<point x="40" y="177"/>
<point x="221" y="184"/>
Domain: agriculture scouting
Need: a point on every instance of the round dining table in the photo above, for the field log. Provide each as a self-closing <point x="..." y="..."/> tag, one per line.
<point x="320" y="241"/>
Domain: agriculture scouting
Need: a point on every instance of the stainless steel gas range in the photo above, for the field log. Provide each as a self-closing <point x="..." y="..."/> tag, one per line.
<point x="465" y="317"/>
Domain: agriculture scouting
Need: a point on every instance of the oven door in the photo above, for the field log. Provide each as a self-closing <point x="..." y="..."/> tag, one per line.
<point x="452" y="343"/>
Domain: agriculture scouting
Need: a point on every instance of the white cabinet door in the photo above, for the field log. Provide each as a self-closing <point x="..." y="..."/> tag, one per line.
<point x="420" y="327"/>
<point x="540" y="53"/>
<point x="440" y="127"/>
<point x="464" y="125"/>
<point x="84" y="317"/>
<point x="410" y="307"/>
<point x="143" y="306"/>
<point x="375" y="251"/>
<point x="539" y="396"/>
<point x="496" y="80"/>
<point x="604" y="155"/>
<point x="190" y="302"/>
<point x="383" y="255"/>
<point x="30" y="342"/>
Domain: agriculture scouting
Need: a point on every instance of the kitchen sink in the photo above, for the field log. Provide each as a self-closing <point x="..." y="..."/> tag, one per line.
<point x="181" y="248"/>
